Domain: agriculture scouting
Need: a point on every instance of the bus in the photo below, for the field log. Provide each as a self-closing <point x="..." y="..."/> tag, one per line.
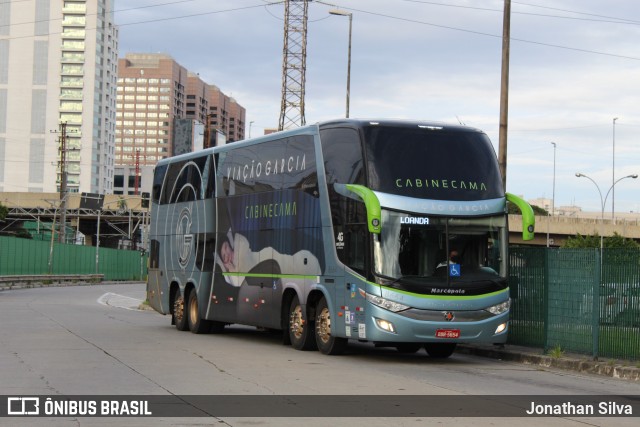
<point x="389" y="232"/>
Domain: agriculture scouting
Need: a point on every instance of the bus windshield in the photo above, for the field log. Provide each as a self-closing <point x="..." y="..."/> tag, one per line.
<point x="432" y="164"/>
<point x="438" y="250"/>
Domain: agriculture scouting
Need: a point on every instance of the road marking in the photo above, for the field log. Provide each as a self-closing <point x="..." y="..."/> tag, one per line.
<point x="120" y="301"/>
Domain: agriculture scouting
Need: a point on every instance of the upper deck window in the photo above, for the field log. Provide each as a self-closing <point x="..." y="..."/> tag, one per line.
<point x="432" y="163"/>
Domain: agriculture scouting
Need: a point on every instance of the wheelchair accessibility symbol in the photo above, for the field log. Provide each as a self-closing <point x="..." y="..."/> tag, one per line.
<point x="454" y="270"/>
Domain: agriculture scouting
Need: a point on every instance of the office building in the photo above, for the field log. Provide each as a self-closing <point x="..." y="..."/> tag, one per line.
<point x="155" y="95"/>
<point x="58" y="71"/>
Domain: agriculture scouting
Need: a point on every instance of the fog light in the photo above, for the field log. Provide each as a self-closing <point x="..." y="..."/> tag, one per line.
<point x="501" y="328"/>
<point x="385" y="325"/>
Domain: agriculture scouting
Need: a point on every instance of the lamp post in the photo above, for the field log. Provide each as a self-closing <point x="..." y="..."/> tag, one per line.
<point x="613" y="172"/>
<point x="250" y="124"/>
<point x="604" y="201"/>
<point x="553" y="194"/>
<point x="350" y="15"/>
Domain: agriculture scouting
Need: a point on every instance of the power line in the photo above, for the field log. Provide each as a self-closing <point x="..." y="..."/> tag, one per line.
<point x="480" y="33"/>
<point x="608" y="19"/>
<point x="147" y="7"/>
<point x="579" y="13"/>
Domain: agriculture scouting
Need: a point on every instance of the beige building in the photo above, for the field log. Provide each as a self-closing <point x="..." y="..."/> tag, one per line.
<point x="154" y="92"/>
<point x="58" y="64"/>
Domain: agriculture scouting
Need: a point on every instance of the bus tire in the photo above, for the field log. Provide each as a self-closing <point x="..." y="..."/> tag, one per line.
<point x="408" y="348"/>
<point x="300" y="329"/>
<point x="179" y="312"/>
<point x="327" y="343"/>
<point x="440" y="350"/>
<point x="197" y="325"/>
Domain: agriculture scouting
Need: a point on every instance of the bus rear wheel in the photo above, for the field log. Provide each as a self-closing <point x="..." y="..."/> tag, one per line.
<point x="197" y="325"/>
<point x="179" y="316"/>
<point x="327" y="343"/>
<point x="440" y="350"/>
<point x="299" y="327"/>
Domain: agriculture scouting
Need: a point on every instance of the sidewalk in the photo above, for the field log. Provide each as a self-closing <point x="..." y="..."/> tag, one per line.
<point x="571" y="362"/>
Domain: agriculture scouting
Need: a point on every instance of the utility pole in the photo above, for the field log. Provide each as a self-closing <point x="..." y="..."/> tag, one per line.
<point x="62" y="148"/>
<point x="504" y="92"/>
<point x="207" y="131"/>
<point x="136" y="179"/>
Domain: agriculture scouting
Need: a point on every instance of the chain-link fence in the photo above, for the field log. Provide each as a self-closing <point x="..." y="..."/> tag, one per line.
<point x="580" y="300"/>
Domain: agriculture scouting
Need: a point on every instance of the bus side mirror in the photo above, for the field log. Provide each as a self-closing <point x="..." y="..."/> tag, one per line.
<point x="528" y="218"/>
<point x="371" y="203"/>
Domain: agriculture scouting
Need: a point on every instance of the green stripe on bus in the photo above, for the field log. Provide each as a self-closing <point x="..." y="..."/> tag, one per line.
<point x="447" y="297"/>
<point x="272" y="276"/>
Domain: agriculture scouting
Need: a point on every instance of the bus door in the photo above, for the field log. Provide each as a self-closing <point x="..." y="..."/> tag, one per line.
<point x="255" y="305"/>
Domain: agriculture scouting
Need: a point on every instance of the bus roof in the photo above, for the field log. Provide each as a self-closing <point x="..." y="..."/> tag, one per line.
<point x="314" y="128"/>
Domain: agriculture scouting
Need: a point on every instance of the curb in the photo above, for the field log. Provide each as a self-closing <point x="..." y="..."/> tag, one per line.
<point x="607" y="367"/>
<point x="55" y="284"/>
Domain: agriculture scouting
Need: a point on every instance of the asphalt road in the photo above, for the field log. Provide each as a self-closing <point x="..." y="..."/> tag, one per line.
<point x="93" y="340"/>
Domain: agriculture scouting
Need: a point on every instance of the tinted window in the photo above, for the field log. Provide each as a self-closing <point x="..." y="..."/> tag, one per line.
<point x="342" y="155"/>
<point x="158" y="178"/>
<point x="274" y="165"/>
<point x="432" y="163"/>
<point x="186" y="180"/>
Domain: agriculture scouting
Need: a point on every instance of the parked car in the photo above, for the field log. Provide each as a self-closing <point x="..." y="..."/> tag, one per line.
<point x="617" y="304"/>
<point x="630" y="315"/>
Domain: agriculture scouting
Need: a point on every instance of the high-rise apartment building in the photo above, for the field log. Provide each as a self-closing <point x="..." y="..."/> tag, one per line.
<point x="58" y="65"/>
<point x="154" y="92"/>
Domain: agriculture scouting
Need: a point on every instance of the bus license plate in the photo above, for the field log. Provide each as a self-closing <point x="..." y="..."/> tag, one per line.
<point x="448" y="333"/>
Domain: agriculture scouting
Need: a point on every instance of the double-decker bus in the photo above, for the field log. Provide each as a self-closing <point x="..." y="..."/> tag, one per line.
<point x="390" y="232"/>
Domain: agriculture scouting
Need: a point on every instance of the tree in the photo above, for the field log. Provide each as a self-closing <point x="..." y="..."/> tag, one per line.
<point x="3" y="212"/>
<point x="537" y="210"/>
<point x="615" y="241"/>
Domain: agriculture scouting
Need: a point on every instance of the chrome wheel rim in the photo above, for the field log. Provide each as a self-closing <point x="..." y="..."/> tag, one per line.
<point x="323" y="325"/>
<point x="178" y="308"/>
<point x="296" y="322"/>
<point x="193" y="311"/>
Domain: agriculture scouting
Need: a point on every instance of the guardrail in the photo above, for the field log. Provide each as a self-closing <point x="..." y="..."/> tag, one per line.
<point x="43" y="280"/>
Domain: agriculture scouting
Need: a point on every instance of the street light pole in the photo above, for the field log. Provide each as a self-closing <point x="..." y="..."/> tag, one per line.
<point x="553" y="194"/>
<point x="604" y="201"/>
<point x="613" y="172"/>
<point x="350" y="15"/>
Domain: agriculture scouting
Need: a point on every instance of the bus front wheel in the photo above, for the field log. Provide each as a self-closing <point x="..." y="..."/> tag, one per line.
<point x="299" y="327"/>
<point x="179" y="312"/>
<point x="440" y="350"/>
<point x="327" y="343"/>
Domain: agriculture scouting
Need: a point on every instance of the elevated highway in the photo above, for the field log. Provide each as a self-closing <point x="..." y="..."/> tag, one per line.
<point x="122" y="217"/>
<point x="559" y="228"/>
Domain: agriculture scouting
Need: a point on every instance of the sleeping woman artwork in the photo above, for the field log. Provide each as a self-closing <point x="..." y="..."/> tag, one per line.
<point x="236" y="257"/>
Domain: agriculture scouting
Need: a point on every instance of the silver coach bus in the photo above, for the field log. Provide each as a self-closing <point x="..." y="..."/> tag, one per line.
<point x="391" y="232"/>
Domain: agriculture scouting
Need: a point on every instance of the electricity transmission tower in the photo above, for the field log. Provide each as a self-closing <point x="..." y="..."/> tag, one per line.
<point x="294" y="64"/>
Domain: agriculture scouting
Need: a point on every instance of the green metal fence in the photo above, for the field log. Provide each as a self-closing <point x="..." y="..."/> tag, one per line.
<point x="25" y="256"/>
<point x="576" y="299"/>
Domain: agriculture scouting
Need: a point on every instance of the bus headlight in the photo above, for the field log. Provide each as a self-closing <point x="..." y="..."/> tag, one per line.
<point x="385" y="325"/>
<point x="499" y="308"/>
<point x="386" y="304"/>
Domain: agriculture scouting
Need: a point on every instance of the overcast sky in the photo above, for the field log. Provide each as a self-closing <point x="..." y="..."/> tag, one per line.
<point x="575" y="66"/>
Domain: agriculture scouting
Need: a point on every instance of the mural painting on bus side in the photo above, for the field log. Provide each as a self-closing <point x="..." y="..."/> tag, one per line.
<point x="237" y="260"/>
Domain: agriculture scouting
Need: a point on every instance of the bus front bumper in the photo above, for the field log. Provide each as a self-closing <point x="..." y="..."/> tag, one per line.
<point x="436" y="326"/>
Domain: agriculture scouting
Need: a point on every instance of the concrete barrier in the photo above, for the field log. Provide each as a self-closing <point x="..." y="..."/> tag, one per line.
<point x="43" y="280"/>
